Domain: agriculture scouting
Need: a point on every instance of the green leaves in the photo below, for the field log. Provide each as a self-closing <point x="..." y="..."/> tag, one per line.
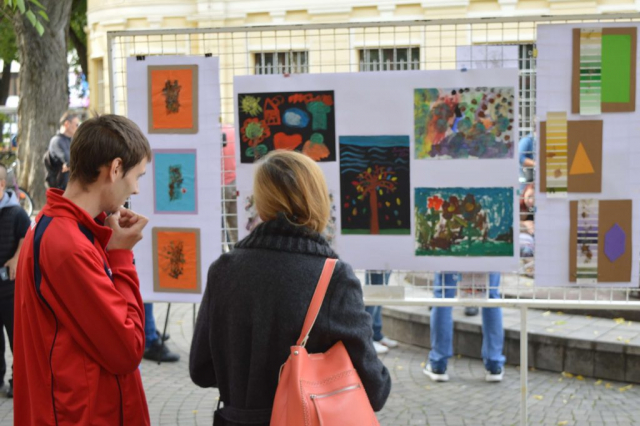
<point x="34" y="11"/>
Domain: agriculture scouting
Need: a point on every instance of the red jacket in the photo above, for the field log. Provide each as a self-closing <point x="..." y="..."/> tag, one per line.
<point x="79" y="340"/>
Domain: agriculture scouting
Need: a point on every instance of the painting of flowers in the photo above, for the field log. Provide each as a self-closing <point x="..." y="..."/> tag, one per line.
<point x="175" y="181"/>
<point x="464" y="123"/>
<point x="298" y="121"/>
<point x="176" y="260"/>
<point x="464" y="221"/>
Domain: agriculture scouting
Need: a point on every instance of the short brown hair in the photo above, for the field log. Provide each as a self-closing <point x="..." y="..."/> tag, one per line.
<point x="292" y="183"/>
<point x="68" y="116"/>
<point x="102" y="139"/>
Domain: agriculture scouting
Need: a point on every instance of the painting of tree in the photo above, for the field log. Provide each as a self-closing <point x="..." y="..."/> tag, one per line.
<point x="374" y="182"/>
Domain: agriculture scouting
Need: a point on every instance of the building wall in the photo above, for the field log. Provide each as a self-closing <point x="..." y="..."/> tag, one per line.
<point x="334" y="52"/>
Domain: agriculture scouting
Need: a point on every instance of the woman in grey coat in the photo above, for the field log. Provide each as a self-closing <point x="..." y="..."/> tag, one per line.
<point x="258" y="294"/>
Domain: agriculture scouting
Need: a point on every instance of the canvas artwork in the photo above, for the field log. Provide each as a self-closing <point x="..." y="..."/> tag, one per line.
<point x="464" y="221"/>
<point x="173" y="98"/>
<point x="571" y="155"/>
<point x="375" y="185"/>
<point x="604" y="70"/>
<point x="176" y="260"/>
<point x="600" y="241"/>
<point x="300" y="121"/>
<point x="175" y="181"/>
<point x="464" y="123"/>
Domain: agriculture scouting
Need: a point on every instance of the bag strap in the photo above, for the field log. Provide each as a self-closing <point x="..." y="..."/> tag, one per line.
<point x="316" y="301"/>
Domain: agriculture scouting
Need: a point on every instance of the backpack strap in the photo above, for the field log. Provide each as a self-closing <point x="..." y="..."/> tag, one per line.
<point x="316" y="301"/>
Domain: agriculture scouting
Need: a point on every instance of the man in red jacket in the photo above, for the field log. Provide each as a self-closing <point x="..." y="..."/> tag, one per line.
<point x="79" y="317"/>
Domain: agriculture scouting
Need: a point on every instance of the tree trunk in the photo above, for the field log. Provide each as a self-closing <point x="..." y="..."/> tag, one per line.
<point x="5" y="83"/>
<point x="373" y="205"/>
<point x="82" y="52"/>
<point x="44" y="91"/>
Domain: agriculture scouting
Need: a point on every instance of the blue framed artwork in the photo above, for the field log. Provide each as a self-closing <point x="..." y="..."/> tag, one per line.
<point x="175" y="183"/>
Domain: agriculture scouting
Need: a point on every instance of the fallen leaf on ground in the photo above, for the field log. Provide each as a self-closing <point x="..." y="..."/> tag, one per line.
<point x="538" y="397"/>
<point x="598" y="383"/>
<point x="399" y="367"/>
<point x="625" y="388"/>
<point x="559" y="313"/>
<point x="608" y="386"/>
<point x="567" y="375"/>
<point x="563" y="423"/>
<point x="579" y="377"/>
<point x="559" y="322"/>
<point x="423" y="364"/>
<point x="618" y="320"/>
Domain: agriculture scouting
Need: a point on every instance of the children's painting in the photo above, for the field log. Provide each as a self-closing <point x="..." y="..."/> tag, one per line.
<point x="464" y="123"/>
<point x="176" y="260"/>
<point x="173" y="98"/>
<point x="374" y="184"/>
<point x="300" y="121"/>
<point x="464" y="221"/>
<point x="175" y="181"/>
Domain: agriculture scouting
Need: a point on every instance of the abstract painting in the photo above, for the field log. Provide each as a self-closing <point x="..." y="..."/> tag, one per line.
<point x="571" y="155"/>
<point x="604" y="70"/>
<point x="173" y="98"/>
<point x="464" y="122"/>
<point x="464" y="221"/>
<point x="300" y="121"/>
<point x="374" y="185"/>
<point x="600" y="241"/>
<point x="175" y="181"/>
<point x="176" y="260"/>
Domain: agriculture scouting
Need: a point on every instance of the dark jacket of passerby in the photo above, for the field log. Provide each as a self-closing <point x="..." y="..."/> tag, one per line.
<point x="253" y="310"/>
<point x="14" y="224"/>
<point x="60" y="149"/>
<point x="79" y="334"/>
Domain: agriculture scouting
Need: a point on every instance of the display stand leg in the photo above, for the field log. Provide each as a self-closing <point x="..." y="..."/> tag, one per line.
<point x="164" y="332"/>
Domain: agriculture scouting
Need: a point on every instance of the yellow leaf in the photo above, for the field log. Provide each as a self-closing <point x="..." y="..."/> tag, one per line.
<point x="538" y="397"/>
<point x="195" y="411"/>
<point x="618" y="320"/>
<point x="563" y="423"/>
<point x="567" y="375"/>
<point x="546" y="314"/>
<point x="619" y="338"/>
<point x="627" y="341"/>
<point x="598" y="383"/>
<point x="628" y="323"/>
<point x="625" y="388"/>
<point x="608" y="386"/>
<point x="459" y="356"/>
<point x="559" y="313"/>
<point x="560" y="379"/>
<point x="559" y="322"/>
<point x="579" y="378"/>
<point x="423" y="364"/>
<point x="550" y="330"/>
<point x="427" y="387"/>
<point x="399" y="367"/>
<point x="588" y="317"/>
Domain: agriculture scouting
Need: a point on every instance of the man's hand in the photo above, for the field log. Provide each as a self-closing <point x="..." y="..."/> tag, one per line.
<point x="127" y="229"/>
<point x="65" y="168"/>
<point x="12" y="264"/>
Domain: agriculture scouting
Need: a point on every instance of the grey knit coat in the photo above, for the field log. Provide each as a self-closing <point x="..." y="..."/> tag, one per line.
<point x="252" y="313"/>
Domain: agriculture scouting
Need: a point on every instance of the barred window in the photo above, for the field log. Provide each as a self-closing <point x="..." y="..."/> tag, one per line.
<point x="390" y="59"/>
<point x="282" y="62"/>
<point x="526" y="64"/>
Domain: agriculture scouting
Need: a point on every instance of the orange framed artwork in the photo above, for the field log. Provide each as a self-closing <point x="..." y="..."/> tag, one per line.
<point x="173" y="98"/>
<point x="176" y="260"/>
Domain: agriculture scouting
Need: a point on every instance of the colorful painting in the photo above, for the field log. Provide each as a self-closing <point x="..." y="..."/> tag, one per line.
<point x="464" y="221"/>
<point x="374" y="184"/>
<point x="604" y="70"/>
<point x="176" y="260"/>
<point x="173" y="98"/>
<point x="300" y="121"/>
<point x="464" y="122"/>
<point x="175" y="181"/>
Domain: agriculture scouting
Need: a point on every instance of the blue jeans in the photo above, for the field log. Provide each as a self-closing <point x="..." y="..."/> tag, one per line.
<point x="442" y="325"/>
<point x="150" y="332"/>
<point x="376" y="278"/>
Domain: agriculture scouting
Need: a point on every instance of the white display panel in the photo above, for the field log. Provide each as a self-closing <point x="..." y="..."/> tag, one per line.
<point x="382" y="103"/>
<point x="206" y="144"/>
<point x="620" y="154"/>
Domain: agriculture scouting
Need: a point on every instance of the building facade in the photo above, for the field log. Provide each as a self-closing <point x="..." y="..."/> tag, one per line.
<point x="299" y="50"/>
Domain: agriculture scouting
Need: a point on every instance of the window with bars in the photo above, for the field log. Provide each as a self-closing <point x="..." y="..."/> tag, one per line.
<point x="389" y="59"/>
<point x="282" y="62"/>
<point x="526" y="64"/>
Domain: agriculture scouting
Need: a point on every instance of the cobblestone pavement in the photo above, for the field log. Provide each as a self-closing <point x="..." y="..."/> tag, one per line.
<point x="465" y="400"/>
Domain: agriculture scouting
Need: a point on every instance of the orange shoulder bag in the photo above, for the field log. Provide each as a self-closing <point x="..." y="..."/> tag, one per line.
<point x="320" y="389"/>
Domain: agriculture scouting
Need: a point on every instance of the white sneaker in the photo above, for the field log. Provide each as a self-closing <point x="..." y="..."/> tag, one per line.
<point x="439" y="376"/>
<point x="495" y="376"/>
<point x="390" y="343"/>
<point x="380" y="348"/>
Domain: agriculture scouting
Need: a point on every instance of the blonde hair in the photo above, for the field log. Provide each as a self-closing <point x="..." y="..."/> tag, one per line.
<point x="291" y="183"/>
